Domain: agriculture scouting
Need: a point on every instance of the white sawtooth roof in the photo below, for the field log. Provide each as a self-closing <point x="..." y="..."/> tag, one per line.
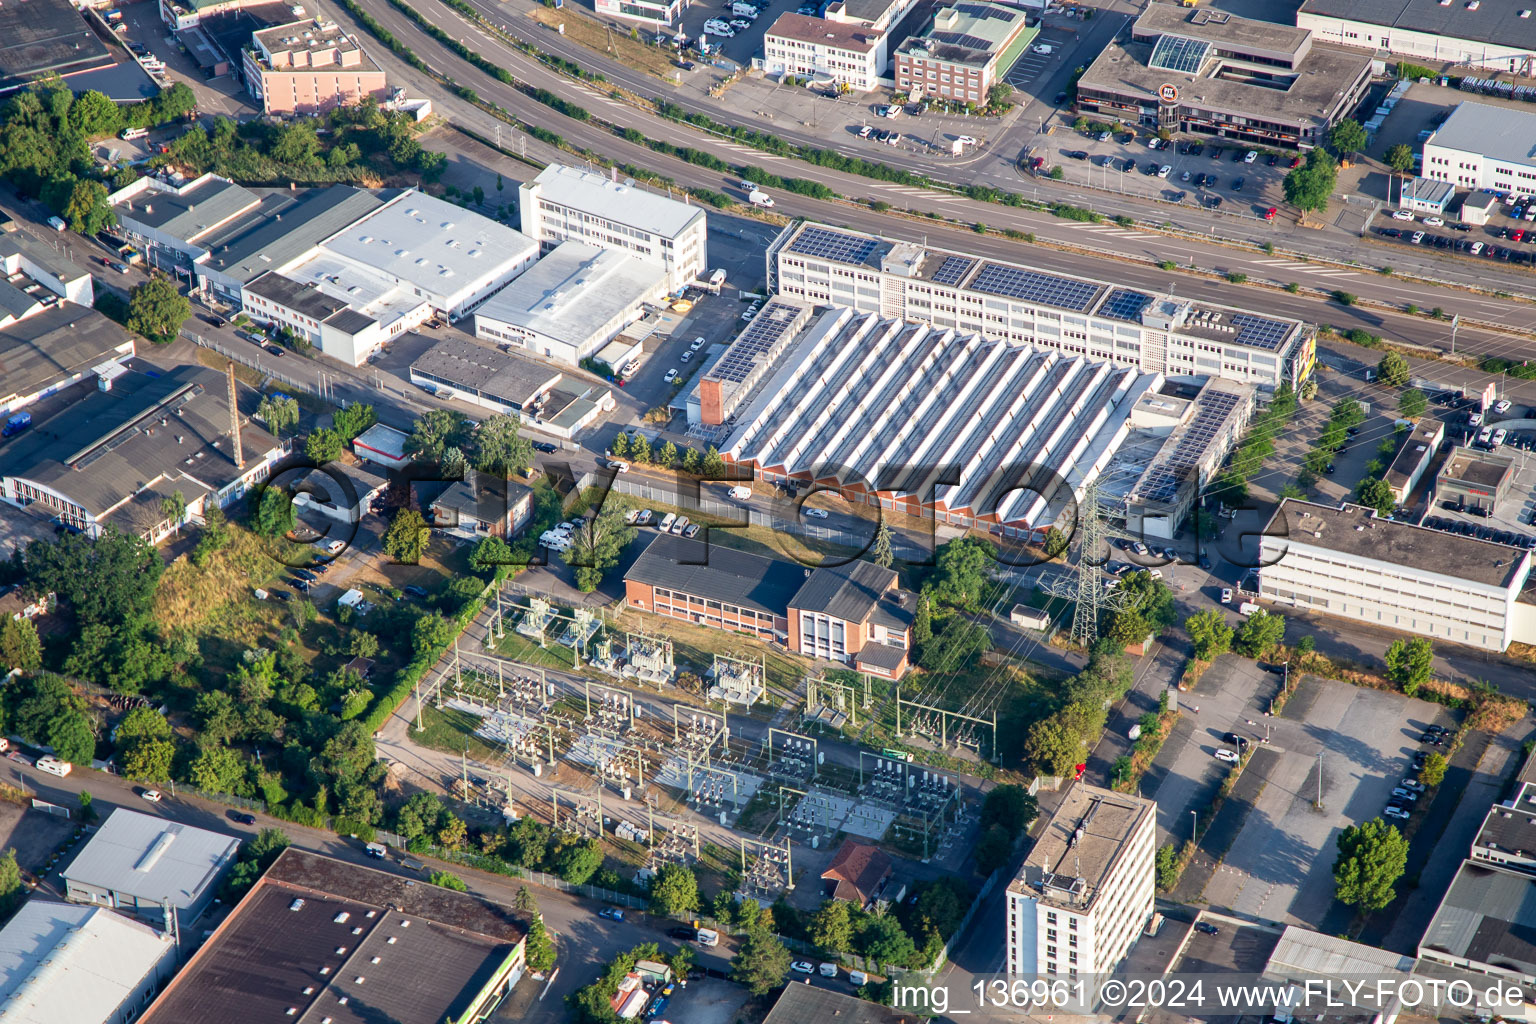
<point x="60" y="962"/>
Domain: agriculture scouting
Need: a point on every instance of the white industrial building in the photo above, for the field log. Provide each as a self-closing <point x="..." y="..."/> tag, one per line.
<point x="1483" y="146"/>
<point x="570" y="204"/>
<point x="1085" y="893"/>
<point x="825" y="51"/>
<point x="1179" y="337"/>
<point x="1494" y="34"/>
<point x="347" y="311"/>
<point x="654" y="14"/>
<point x="145" y="865"/>
<point x="67" y="964"/>
<point x="1349" y="562"/>
<point x="571" y="303"/>
<point x="884" y="410"/>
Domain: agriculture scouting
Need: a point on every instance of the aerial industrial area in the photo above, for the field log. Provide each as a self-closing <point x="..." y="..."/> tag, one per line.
<point x="794" y="512"/>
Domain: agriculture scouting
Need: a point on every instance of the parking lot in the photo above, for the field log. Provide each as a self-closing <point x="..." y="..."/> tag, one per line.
<point x="1511" y="242"/>
<point x="1211" y="174"/>
<point x="1336" y="753"/>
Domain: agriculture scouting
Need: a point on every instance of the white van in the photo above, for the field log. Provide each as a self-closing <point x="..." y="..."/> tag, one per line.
<point x="53" y="766"/>
<point x="129" y="134"/>
<point x="741" y="493"/>
<point x="716" y="279"/>
<point x="762" y="199"/>
<point x="857" y="978"/>
<point x="666" y="522"/>
<point x="828" y="970"/>
<point x="742" y="10"/>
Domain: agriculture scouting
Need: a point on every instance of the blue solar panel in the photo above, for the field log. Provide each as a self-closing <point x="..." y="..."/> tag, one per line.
<point x="1260" y="331"/>
<point x="834" y="245"/>
<point x="1124" y="304"/>
<point x="953" y="269"/>
<point x="1033" y="286"/>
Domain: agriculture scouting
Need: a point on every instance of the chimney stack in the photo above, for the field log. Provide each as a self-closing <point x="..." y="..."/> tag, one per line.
<point x="234" y="419"/>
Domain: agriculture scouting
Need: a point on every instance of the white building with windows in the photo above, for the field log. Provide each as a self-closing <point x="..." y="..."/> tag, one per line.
<point x="1482" y="146"/>
<point x="849" y="54"/>
<point x="1168" y="334"/>
<point x="1084" y="895"/>
<point x="654" y="14"/>
<point x="568" y="204"/>
<point x="1494" y="34"/>
<point x="1347" y="561"/>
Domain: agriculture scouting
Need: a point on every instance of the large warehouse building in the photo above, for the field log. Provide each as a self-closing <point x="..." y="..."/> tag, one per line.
<point x="570" y="204"/>
<point x="989" y="433"/>
<point x="1349" y="562"/>
<point x="1483" y="146"/>
<point x="1213" y="73"/>
<point x="818" y="264"/>
<point x="505" y="382"/>
<point x="1495" y="34"/>
<point x="571" y="303"/>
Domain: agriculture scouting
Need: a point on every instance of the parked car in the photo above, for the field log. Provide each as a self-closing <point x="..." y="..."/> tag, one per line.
<point x="814" y="513"/>
<point x="545" y="447"/>
<point x="1207" y="929"/>
<point x="152" y="795"/>
<point x="1395" y="811"/>
<point x="1228" y="756"/>
<point x="803" y="967"/>
<point x="242" y="818"/>
<point x="1226" y="595"/>
<point x="611" y="913"/>
<point x="414" y="591"/>
<point x="670" y="375"/>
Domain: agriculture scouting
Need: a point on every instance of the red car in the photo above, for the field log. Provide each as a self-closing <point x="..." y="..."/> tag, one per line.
<point x="1517" y="235"/>
<point x="1295" y="161"/>
<point x="1269" y="214"/>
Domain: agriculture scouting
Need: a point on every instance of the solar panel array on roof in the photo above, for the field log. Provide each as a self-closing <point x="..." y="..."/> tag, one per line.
<point x="1124" y="304"/>
<point x="982" y="13"/>
<point x="1164" y="480"/>
<point x="966" y="40"/>
<point x="1260" y="331"/>
<point x="833" y="245"/>
<point x="1033" y="286"/>
<point x="1179" y="53"/>
<point x="765" y="331"/>
<point x="952" y="270"/>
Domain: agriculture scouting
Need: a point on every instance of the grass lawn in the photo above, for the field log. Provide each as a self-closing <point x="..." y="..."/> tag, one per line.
<point x="453" y="731"/>
<point x="520" y="648"/>
<point x="595" y="35"/>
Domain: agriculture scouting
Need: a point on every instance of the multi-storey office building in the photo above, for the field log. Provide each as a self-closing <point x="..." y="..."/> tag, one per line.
<point x="1081" y="899"/>
<point x="1175" y="336"/>
<point x="1349" y="562"/>
<point x="568" y="204"/>
<point x="1483" y="146"/>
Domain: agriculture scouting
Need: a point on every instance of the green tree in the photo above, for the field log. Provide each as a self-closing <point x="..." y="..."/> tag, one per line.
<point x="274" y="512"/>
<point x="578" y="862"/>
<point x="597" y="545"/>
<point x="431" y="632"/>
<point x="619" y="447"/>
<point x="1372" y="857"/>
<point x="714" y="465"/>
<point x="1051" y="748"/>
<point x="1010" y="806"/>
<point x="491" y="553"/>
<point x="500" y="447"/>
<point x="1310" y="186"/>
<point x="1347" y="137"/>
<point x="960" y="572"/>
<point x="1259" y="633"/>
<point x="666" y="456"/>
<point x="1410" y="663"/>
<point x="761" y="962"/>
<point x="1209" y="633"/>
<point x="144" y="746"/>
<point x="353" y="420"/>
<point x="1150" y="597"/>
<point x="295" y="143"/>
<point x="922" y="621"/>
<point x="1433" y="772"/>
<point x="1055" y="543"/>
<point x="640" y="449"/>
<point x="324" y="446"/>
<point x="691" y="461"/>
<point x="1393" y="370"/>
<point x="278" y="414"/>
<point x="539" y="950"/>
<point x="881" y="552"/>
<point x="156" y="309"/>
<point x="992" y="850"/>
<point x="11" y="885"/>
<point x="883" y="940"/>
<point x="1400" y="158"/>
<point x="217" y="769"/>
<point x="406" y="538"/>
<point x="1306" y="645"/>
<point x="435" y="432"/>
<point x="958" y="644"/>
<point x="87" y="209"/>
<point x="1167" y="867"/>
<point x="110" y="579"/>
<point x="174" y="509"/>
<point x="674" y="891"/>
<point x="1374" y="492"/>
<point x="218" y="719"/>
<point x="525" y="902"/>
<point x="1412" y="404"/>
<point x="831" y="927"/>
<point x="70" y="736"/>
<point x="93" y="115"/>
<point x="448" y="880"/>
<point x="1127" y="626"/>
<point x="19" y="645"/>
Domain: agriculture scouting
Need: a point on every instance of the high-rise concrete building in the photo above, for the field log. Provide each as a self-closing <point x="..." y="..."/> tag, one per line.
<point x="1084" y="895"/>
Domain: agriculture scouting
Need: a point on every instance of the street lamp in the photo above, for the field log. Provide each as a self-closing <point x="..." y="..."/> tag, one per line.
<point x="1195" y="827"/>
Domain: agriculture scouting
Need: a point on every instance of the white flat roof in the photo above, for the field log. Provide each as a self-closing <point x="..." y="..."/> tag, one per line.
<point x="152" y="859"/>
<point x="63" y="962"/>
<point x="575" y="291"/>
<point x="598" y="194"/>
<point x="433" y="244"/>
<point x="383" y="440"/>
<point x="362" y="288"/>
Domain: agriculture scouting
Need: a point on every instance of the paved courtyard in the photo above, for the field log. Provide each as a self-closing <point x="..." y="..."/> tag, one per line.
<point x="1280" y="865"/>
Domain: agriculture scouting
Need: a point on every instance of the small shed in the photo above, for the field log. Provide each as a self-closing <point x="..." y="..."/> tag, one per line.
<point x="351" y="599"/>
<point x="1479" y="207"/>
<point x="1425" y="195"/>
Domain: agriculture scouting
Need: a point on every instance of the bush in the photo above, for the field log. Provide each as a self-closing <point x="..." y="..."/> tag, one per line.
<point x="1342" y="298"/>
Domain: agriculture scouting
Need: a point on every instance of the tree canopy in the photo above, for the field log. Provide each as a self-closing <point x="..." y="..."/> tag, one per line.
<point x="1393" y="370"/>
<point x="1372" y="857"/>
<point x="1410" y="663"/>
<point x="1310" y="186"/>
<point x="1209" y="633"/>
<point x="109" y="580"/>
<point x="157" y="309"/>
<point x="960" y="571"/>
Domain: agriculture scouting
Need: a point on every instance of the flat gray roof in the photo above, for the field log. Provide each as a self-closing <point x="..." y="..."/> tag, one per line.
<point x="599" y="195"/>
<point x="806" y="1004"/>
<point x="1486" y="918"/>
<point x="1511" y="828"/>
<point x="296" y="295"/>
<point x="42" y="36"/>
<point x="1498" y="133"/>
<point x="1494" y="21"/>
<point x="434" y="245"/>
<point x="573" y="292"/>
<point x="55" y="343"/>
<point x="153" y="859"/>
<point x="19" y="243"/>
<point x="1081" y="844"/>
<point x="62" y="962"/>
<point x="1229" y="30"/>
<point x="103" y="449"/>
<point x="1354" y="530"/>
<point x="718" y="573"/>
<point x="480" y="369"/>
<point x="271" y="242"/>
<point x="193" y="213"/>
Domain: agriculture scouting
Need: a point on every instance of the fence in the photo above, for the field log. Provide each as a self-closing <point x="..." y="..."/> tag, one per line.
<point x="50" y="808"/>
<point x="245" y="359"/>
